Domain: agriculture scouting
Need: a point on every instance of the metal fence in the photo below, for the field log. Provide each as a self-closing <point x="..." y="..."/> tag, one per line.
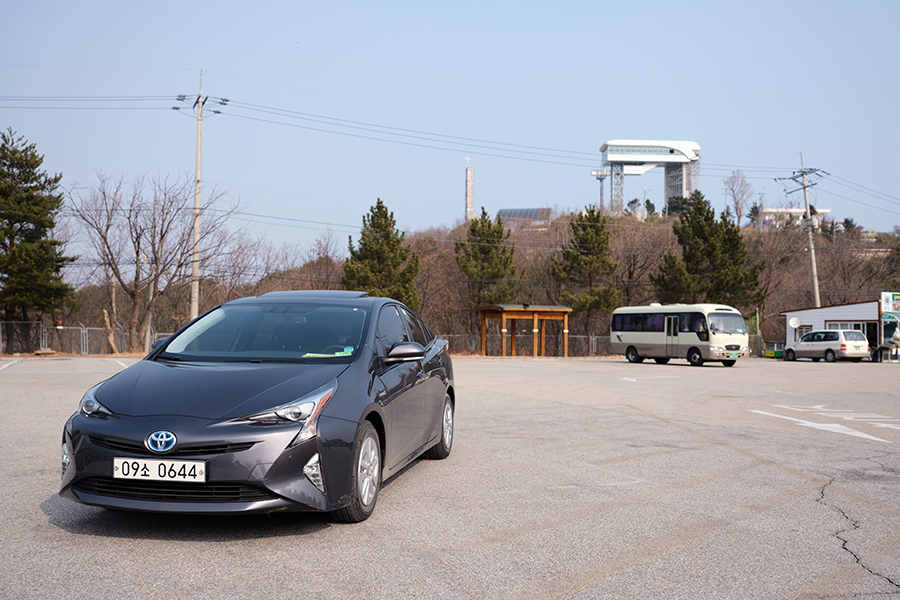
<point x="579" y="345"/>
<point x="31" y="336"/>
<point x="24" y="337"/>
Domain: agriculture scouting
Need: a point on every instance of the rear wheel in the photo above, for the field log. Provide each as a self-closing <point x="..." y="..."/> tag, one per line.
<point x="632" y="355"/>
<point x="729" y="363"/>
<point x="661" y="361"/>
<point x="830" y="356"/>
<point x="694" y="357"/>
<point x="789" y="355"/>
<point x="366" y="477"/>
<point x="441" y="450"/>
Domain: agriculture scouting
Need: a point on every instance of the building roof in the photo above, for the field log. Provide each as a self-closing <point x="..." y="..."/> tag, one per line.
<point x="650" y="151"/>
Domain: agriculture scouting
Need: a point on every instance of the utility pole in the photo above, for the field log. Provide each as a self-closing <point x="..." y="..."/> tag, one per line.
<point x="195" y="261"/>
<point x="809" y="223"/>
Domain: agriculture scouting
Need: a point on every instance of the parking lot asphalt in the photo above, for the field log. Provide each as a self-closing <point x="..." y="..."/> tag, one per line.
<point x="569" y="478"/>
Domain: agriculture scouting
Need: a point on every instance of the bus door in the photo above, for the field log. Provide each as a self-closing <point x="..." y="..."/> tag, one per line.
<point x="672" y="323"/>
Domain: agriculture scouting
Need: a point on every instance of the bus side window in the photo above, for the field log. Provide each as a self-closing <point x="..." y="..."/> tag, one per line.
<point x="685" y="322"/>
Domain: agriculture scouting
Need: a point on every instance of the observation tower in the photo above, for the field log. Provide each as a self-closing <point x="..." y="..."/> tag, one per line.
<point x="635" y="157"/>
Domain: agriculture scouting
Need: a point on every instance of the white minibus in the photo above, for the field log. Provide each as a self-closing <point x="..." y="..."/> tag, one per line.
<point x="696" y="332"/>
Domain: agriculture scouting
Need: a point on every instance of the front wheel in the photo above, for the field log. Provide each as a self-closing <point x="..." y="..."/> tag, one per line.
<point x="632" y="355"/>
<point x="441" y="450"/>
<point x="366" y="477"/>
<point x="661" y="361"/>
<point x="729" y="363"/>
<point x="830" y="356"/>
<point x="695" y="358"/>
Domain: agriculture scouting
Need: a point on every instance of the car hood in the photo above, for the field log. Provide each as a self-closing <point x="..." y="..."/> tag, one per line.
<point x="210" y="390"/>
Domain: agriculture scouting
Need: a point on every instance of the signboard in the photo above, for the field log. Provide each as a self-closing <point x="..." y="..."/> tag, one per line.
<point x="890" y="302"/>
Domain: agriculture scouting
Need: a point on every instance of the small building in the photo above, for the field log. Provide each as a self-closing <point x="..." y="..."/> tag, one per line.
<point x="877" y="319"/>
<point x="536" y="315"/>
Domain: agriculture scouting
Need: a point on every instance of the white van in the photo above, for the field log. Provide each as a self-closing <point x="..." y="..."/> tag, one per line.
<point x="832" y="344"/>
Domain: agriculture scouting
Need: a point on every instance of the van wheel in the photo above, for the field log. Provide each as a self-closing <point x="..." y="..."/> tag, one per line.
<point x="632" y="355"/>
<point x="695" y="358"/>
<point x="789" y="355"/>
<point x="830" y="356"/>
<point x="729" y="363"/>
<point x="661" y="361"/>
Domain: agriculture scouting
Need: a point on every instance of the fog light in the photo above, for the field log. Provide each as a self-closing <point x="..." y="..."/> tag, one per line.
<point x="313" y="472"/>
<point x="65" y="457"/>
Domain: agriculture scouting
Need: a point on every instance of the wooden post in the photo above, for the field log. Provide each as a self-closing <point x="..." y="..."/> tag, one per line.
<point x="566" y="335"/>
<point x="503" y="334"/>
<point x="483" y="334"/>
<point x="534" y="332"/>
<point x="544" y="337"/>
<point x="512" y="332"/>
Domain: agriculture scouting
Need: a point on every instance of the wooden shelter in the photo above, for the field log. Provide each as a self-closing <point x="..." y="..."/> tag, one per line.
<point x="508" y="314"/>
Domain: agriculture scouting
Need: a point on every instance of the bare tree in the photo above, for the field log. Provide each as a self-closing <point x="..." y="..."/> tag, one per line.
<point x="737" y="187"/>
<point x="141" y="236"/>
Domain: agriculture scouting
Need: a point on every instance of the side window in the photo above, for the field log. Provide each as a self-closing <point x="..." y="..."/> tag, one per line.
<point x="807" y="338"/>
<point x="831" y="336"/>
<point x="390" y="330"/>
<point x="416" y="327"/>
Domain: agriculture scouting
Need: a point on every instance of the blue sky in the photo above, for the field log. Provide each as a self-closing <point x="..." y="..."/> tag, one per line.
<point x="335" y="104"/>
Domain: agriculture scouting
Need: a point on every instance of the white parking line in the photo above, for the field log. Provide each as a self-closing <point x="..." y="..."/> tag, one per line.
<point x="832" y="427"/>
<point x="9" y="364"/>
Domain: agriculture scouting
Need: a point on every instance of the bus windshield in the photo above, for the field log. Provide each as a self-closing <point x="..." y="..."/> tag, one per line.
<point x="727" y="323"/>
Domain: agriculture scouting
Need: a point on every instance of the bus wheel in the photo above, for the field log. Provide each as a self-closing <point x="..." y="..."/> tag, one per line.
<point x="661" y="361"/>
<point x="632" y="355"/>
<point x="729" y="363"/>
<point x="695" y="358"/>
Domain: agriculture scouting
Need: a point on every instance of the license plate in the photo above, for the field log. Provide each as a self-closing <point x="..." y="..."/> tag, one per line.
<point x="159" y="470"/>
<point x="734" y="355"/>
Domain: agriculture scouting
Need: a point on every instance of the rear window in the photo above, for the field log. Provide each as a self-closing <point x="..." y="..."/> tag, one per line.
<point x="854" y="336"/>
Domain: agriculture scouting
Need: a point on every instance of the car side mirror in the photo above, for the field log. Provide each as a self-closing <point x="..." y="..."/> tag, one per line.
<point x="158" y="343"/>
<point x="405" y="352"/>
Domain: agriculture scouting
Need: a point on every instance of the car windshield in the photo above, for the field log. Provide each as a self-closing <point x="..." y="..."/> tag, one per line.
<point x="271" y="332"/>
<point x="727" y="323"/>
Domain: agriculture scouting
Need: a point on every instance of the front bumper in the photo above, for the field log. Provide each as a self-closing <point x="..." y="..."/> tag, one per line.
<point x="252" y="471"/>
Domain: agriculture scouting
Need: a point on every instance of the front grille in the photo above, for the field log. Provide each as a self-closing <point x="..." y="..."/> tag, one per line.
<point x="164" y="491"/>
<point x="732" y="347"/>
<point x="134" y="448"/>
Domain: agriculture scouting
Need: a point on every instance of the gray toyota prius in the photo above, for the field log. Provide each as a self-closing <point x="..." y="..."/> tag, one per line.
<point x="301" y="401"/>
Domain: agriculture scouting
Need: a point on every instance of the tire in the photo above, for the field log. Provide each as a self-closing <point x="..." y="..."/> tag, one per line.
<point x="789" y="355"/>
<point x="441" y="450"/>
<point x="661" y="361"/>
<point x="728" y="363"/>
<point x="694" y="357"/>
<point x="856" y="359"/>
<point x="632" y="355"/>
<point x="830" y="356"/>
<point x="366" y="477"/>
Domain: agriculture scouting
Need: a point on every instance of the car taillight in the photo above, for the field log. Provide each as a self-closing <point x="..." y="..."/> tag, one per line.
<point x="843" y="347"/>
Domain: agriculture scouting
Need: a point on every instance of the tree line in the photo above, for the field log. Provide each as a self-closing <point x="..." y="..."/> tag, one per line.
<point x="135" y="243"/>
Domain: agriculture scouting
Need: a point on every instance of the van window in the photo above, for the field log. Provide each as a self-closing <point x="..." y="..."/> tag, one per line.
<point x="831" y="336"/>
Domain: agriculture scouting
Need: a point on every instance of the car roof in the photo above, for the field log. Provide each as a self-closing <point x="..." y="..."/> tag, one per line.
<point x="338" y="297"/>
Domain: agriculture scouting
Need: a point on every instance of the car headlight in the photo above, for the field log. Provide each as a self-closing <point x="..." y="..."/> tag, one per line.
<point x="305" y="411"/>
<point x="90" y="406"/>
<point x="715" y="349"/>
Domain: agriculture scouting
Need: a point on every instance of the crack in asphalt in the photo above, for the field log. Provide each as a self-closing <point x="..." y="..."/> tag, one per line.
<point x="843" y="538"/>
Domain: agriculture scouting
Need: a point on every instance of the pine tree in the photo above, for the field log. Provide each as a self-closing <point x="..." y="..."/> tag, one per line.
<point x="487" y="260"/>
<point x="31" y="261"/>
<point x="382" y="265"/>
<point x="713" y="265"/>
<point x="587" y="266"/>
